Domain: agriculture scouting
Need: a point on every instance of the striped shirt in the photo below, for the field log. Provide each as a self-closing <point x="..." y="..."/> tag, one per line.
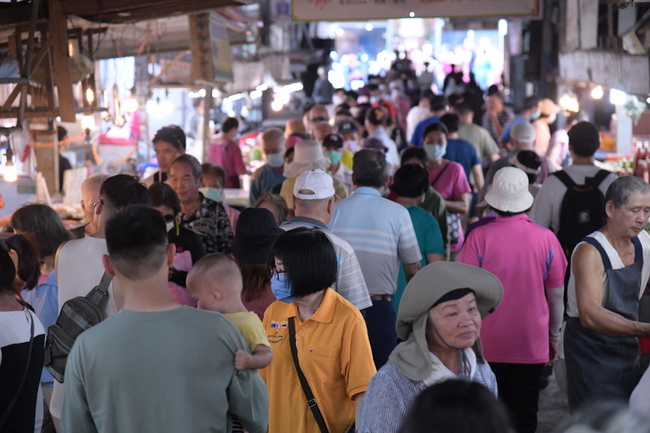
<point x="349" y="280"/>
<point x="381" y="234"/>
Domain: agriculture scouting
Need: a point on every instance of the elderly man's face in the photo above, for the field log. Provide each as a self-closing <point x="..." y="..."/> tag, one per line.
<point x="273" y="146"/>
<point x="458" y="323"/>
<point x="183" y="182"/>
<point x="631" y="218"/>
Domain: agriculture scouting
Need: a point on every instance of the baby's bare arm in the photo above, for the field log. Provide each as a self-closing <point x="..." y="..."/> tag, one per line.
<point x="260" y="358"/>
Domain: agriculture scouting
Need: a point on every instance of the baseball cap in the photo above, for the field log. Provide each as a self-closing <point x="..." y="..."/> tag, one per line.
<point x="523" y="132"/>
<point x="313" y="185"/>
<point x="347" y="126"/>
<point x="332" y="140"/>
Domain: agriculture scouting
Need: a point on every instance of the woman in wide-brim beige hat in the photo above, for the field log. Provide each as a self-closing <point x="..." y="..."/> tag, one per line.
<point x="439" y="321"/>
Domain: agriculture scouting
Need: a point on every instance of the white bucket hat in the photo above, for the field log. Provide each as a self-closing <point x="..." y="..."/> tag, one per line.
<point x="509" y="192"/>
<point x="308" y="155"/>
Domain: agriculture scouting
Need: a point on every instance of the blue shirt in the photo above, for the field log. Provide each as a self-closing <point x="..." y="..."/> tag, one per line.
<point x="264" y="179"/>
<point x="45" y="300"/>
<point x="418" y="134"/>
<point x="464" y="153"/>
<point x="381" y="234"/>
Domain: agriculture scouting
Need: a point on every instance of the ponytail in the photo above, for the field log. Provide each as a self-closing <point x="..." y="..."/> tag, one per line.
<point x="28" y="262"/>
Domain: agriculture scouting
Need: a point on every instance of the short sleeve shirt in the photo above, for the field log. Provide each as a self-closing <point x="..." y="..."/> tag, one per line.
<point x="462" y="152"/>
<point x="430" y="241"/>
<point x="381" y="234"/>
<point x="250" y="326"/>
<point x="335" y="356"/>
<point x="527" y="259"/>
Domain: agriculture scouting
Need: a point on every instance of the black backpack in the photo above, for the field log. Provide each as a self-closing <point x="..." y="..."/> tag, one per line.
<point x="77" y="315"/>
<point x="582" y="211"/>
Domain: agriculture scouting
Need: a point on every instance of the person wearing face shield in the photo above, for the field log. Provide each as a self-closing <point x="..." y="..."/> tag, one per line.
<point x="271" y="173"/>
<point x="548" y="112"/>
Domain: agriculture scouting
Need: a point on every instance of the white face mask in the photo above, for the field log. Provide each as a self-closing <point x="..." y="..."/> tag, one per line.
<point x="169" y="225"/>
<point x="275" y="160"/>
<point x="336" y="100"/>
<point x="552" y="118"/>
<point x="351" y="145"/>
<point x="435" y="151"/>
<point x="213" y="194"/>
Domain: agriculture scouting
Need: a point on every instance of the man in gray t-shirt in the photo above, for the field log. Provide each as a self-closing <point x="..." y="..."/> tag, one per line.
<point x="156" y="366"/>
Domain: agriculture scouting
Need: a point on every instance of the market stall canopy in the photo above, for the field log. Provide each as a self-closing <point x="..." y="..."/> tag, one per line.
<point x="114" y="11"/>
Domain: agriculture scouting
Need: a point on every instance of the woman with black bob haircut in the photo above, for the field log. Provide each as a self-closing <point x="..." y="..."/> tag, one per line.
<point x="308" y="260"/>
<point x="312" y="326"/>
<point x="461" y="406"/>
<point x="22" y="337"/>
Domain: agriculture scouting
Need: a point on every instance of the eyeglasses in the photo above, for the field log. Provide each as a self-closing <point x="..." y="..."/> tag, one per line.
<point x="275" y="273"/>
<point x="97" y="202"/>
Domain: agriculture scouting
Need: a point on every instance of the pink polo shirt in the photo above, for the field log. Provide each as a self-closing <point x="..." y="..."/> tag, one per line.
<point x="526" y="258"/>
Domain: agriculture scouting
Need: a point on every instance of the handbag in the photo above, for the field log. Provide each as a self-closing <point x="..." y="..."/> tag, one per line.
<point x="8" y="409"/>
<point x="453" y="219"/>
<point x="311" y="401"/>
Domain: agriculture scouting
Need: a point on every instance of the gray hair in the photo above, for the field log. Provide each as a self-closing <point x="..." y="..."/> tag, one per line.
<point x="606" y="417"/>
<point x="94" y="181"/>
<point x="619" y="191"/>
<point x="370" y="168"/>
<point x="311" y="204"/>
<point x="194" y="163"/>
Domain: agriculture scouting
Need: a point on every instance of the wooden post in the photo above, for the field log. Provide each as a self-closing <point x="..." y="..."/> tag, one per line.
<point x="208" y="104"/>
<point x="62" y="75"/>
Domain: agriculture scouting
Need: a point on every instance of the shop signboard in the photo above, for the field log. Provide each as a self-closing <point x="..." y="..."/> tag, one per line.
<point x="210" y="47"/>
<point x="358" y="10"/>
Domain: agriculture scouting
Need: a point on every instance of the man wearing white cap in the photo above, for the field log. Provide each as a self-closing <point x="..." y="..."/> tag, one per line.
<point x="521" y="336"/>
<point x="308" y="155"/>
<point x="313" y="203"/>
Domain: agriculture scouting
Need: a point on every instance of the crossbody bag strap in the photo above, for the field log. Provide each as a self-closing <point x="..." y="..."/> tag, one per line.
<point x="9" y="408"/>
<point x="99" y="294"/>
<point x="440" y="174"/>
<point x="311" y="401"/>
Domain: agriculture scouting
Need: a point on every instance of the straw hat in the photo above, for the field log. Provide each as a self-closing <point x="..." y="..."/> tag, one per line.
<point x="429" y="285"/>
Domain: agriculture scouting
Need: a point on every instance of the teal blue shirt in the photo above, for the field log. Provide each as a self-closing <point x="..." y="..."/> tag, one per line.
<point x="427" y="231"/>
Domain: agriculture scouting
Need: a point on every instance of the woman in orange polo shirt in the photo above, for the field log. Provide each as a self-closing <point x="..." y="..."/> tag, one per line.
<point x="331" y="339"/>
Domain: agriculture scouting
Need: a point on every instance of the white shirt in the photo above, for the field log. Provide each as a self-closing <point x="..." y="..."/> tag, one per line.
<point x="79" y="269"/>
<point x="548" y="202"/>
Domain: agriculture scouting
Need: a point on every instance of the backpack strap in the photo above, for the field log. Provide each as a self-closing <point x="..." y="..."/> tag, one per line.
<point x="593" y="242"/>
<point x="599" y="177"/>
<point x="564" y="178"/>
<point x="99" y="294"/>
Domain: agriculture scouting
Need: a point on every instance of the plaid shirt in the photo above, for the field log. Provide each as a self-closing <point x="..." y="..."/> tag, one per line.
<point x="505" y="117"/>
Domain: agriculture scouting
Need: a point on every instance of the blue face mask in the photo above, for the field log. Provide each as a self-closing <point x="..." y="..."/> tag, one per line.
<point x="211" y="193"/>
<point x="275" y="160"/>
<point x="281" y="288"/>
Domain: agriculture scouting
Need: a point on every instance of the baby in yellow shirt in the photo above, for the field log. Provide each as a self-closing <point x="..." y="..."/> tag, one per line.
<point x="216" y="283"/>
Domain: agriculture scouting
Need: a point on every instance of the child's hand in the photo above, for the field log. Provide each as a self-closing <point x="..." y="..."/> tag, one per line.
<point x="242" y="359"/>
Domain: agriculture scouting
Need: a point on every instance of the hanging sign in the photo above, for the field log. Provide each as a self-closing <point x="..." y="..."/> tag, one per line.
<point x="360" y="10"/>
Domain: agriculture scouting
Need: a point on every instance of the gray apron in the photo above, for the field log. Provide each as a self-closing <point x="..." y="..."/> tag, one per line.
<point x="599" y="366"/>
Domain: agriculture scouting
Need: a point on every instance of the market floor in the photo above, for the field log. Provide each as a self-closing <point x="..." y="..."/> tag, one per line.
<point x="553" y="408"/>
